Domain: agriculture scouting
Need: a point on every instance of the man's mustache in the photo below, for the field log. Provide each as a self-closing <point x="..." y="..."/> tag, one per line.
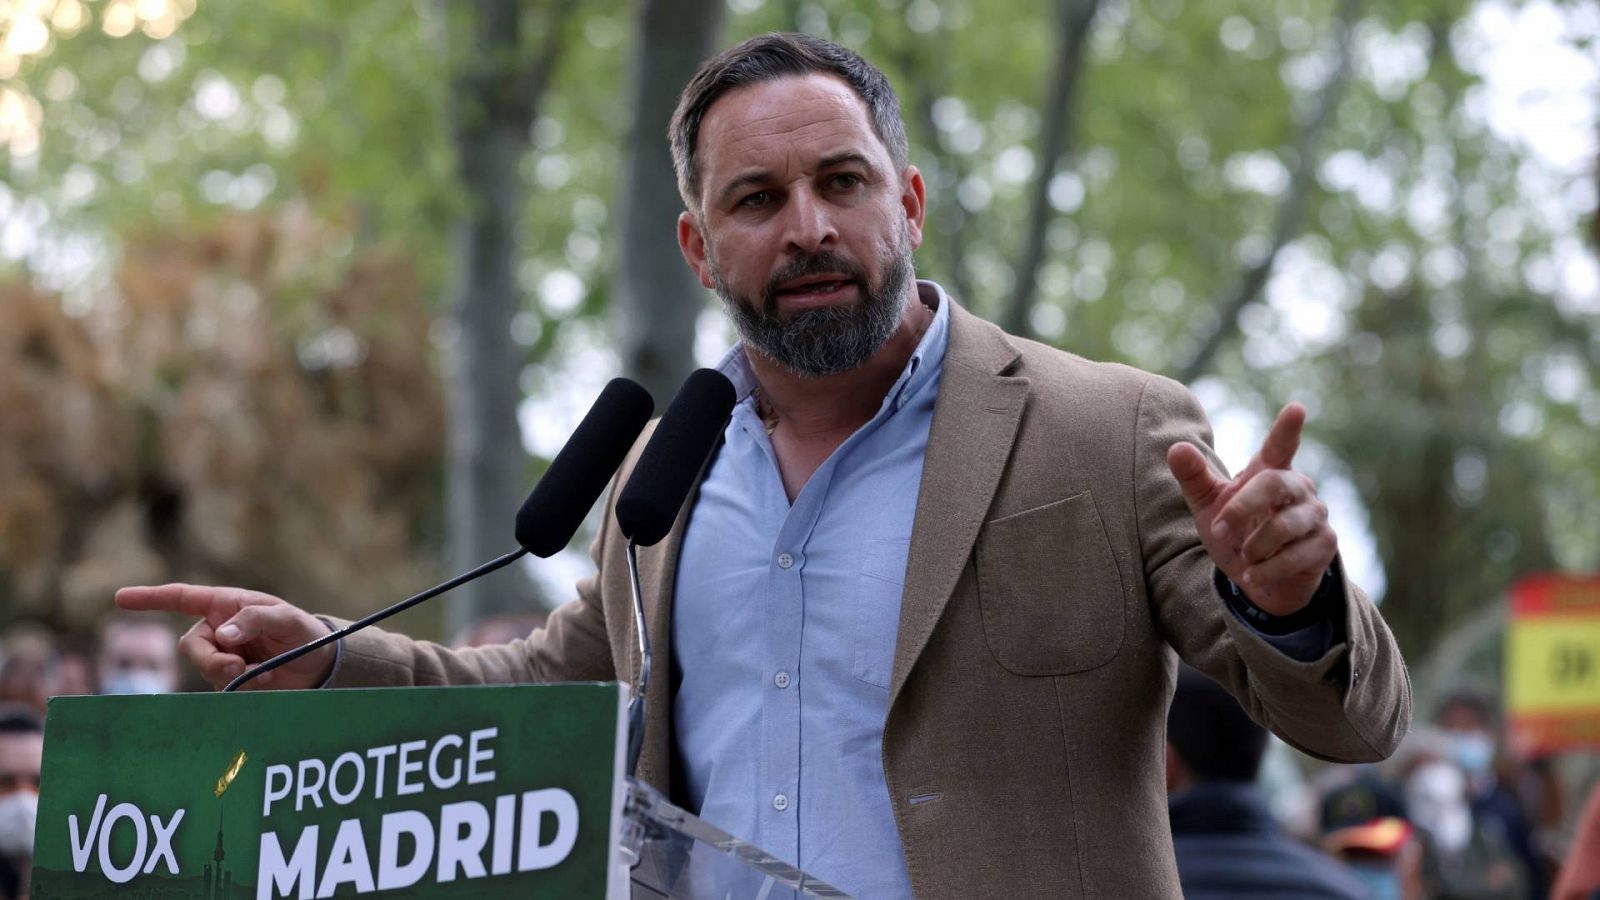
<point x="822" y="262"/>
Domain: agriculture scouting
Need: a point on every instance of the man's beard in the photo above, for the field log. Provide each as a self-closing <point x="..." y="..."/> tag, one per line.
<point x="813" y="343"/>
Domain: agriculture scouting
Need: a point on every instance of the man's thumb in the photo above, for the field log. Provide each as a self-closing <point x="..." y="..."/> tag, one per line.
<point x="1199" y="484"/>
<point x="246" y="625"/>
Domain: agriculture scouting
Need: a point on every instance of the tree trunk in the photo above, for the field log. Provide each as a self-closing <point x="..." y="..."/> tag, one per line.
<point x="1291" y="210"/>
<point x="658" y="299"/>
<point x="1055" y="140"/>
<point x="495" y="93"/>
<point x="925" y="84"/>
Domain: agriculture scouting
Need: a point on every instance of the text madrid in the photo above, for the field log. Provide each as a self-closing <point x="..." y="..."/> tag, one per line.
<point x="463" y="840"/>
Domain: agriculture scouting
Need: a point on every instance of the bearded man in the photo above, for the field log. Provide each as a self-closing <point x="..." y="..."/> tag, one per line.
<point x="920" y="615"/>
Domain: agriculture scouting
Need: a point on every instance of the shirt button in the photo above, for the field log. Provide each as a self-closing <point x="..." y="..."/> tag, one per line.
<point x="785" y="560"/>
<point x="780" y="802"/>
<point x="781" y="679"/>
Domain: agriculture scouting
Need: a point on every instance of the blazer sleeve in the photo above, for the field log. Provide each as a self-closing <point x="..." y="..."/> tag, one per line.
<point x="1353" y="704"/>
<point x="571" y="647"/>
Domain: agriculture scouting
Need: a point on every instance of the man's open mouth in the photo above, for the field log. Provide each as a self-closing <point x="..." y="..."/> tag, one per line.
<point x="816" y="287"/>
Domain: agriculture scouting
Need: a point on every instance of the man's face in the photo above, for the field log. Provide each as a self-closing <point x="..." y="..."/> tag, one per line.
<point x="138" y="659"/>
<point x="803" y="225"/>
<point x="21" y="757"/>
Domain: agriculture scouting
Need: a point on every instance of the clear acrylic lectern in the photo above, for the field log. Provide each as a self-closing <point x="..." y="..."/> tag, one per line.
<point x="676" y="854"/>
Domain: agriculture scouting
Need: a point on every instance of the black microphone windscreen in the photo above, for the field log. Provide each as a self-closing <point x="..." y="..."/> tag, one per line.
<point x="580" y="472"/>
<point x="667" y="468"/>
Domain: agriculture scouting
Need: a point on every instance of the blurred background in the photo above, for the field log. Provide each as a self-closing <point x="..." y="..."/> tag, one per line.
<point x="302" y="296"/>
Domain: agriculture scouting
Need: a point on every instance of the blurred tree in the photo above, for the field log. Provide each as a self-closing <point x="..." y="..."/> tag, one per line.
<point x="657" y="298"/>
<point x="1299" y="198"/>
<point x="1074" y="19"/>
<point x="497" y="84"/>
<point x="238" y="405"/>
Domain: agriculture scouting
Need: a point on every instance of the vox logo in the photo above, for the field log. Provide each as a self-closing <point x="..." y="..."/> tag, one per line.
<point x="152" y="841"/>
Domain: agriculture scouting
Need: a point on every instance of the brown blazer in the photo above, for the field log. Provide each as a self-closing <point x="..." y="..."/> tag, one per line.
<point x="1053" y="569"/>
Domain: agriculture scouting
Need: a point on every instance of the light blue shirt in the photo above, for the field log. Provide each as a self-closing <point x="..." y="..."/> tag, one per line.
<point x="784" y="632"/>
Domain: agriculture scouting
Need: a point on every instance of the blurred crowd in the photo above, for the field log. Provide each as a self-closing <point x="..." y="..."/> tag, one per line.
<point x="1451" y="815"/>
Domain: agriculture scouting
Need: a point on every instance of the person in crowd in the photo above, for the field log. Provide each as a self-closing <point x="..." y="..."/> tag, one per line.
<point x="30" y="668"/>
<point x="1365" y="826"/>
<point x="21" y="759"/>
<point x="77" y="676"/>
<point x="1227" y="842"/>
<point x="956" y="563"/>
<point x="138" y="655"/>
<point x="1471" y="726"/>
<point x="1465" y="858"/>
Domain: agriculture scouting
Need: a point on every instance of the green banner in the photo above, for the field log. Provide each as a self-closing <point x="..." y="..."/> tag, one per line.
<point x="493" y="791"/>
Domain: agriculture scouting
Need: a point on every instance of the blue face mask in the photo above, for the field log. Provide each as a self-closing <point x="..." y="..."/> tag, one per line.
<point x="1473" y="752"/>
<point x="135" y="681"/>
<point x="1381" y="883"/>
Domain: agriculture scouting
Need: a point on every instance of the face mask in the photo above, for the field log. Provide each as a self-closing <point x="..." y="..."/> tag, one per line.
<point x="1473" y="752"/>
<point x="133" y="681"/>
<point x="19" y="811"/>
<point x="1381" y="883"/>
<point x="1436" y="795"/>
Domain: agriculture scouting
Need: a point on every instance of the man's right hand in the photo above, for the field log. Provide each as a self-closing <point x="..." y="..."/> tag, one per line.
<point x="239" y="630"/>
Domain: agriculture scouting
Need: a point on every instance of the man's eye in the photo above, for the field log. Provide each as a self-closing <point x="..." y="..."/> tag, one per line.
<point x="847" y="181"/>
<point x="756" y="200"/>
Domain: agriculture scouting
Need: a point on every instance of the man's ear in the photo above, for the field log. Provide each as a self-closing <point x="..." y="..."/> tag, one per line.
<point x="693" y="246"/>
<point x="914" y="200"/>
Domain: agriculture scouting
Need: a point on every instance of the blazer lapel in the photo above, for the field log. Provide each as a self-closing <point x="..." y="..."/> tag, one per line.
<point x="974" y="425"/>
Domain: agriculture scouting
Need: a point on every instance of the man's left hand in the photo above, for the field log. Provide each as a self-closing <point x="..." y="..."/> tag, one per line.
<point x="1266" y="530"/>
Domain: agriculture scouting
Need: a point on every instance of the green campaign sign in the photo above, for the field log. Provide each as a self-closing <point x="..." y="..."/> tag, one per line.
<point x="493" y="791"/>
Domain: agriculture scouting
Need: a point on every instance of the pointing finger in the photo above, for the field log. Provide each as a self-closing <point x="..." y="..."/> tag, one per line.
<point x="1199" y="484"/>
<point x="191" y="599"/>
<point x="1283" y="440"/>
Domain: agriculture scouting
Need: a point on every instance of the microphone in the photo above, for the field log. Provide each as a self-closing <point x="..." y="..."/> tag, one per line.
<point x="650" y="501"/>
<point x="580" y="472"/>
<point x="666" y="470"/>
<point x="548" y="518"/>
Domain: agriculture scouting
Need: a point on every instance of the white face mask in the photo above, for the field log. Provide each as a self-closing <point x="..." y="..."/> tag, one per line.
<point x="19" y="811"/>
<point x="135" y="681"/>
<point x="1436" y="794"/>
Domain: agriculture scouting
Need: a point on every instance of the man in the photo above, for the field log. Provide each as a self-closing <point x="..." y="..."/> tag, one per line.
<point x="1228" y="844"/>
<point x="1470" y="725"/>
<point x="21" y="758"/>
<point x="30" y="668"/>
<point x="917" y="626"/>
<point x="136" y="657"/>
<point x="1365" y="825"/>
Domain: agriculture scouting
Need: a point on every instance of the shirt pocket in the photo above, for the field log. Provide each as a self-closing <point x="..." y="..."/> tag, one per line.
<point x="877" y="609"/>
<point x="1049" y="589"/>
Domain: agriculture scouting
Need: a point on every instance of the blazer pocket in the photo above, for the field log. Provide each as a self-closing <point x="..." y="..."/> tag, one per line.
<point x="1051" y="595"/>
<point x="877" y="612"/>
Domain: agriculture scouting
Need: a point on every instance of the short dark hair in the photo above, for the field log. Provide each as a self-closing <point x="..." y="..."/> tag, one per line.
<point x="18" y="719"/>
<point x="768" y="57"/>
<point x="1476" y="702"/>
<point x="1210" y="731"/>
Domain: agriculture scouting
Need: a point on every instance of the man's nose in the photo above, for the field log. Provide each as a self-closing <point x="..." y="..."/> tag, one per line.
<point x="809" y="226"/>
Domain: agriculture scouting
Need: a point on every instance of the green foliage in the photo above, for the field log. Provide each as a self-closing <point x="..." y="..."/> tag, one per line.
<point x="1413" y="308"/>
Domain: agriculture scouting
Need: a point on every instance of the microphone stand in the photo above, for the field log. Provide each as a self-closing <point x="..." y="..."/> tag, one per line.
<point x="636" y="704"/>
<point x="380" y="615"/>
